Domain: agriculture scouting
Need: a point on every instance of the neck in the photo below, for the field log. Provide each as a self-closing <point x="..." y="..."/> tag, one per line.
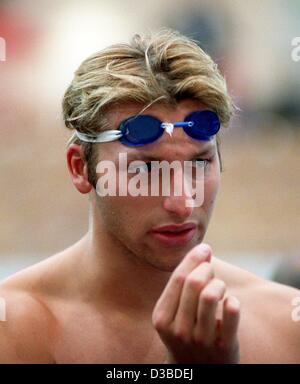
<point x="113" y="276"/>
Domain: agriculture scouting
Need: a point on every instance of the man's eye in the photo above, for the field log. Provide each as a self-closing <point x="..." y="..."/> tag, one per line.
<point x="145" y="168"/>
<point x="139" y="168"/>
<point x="201" y="163"/>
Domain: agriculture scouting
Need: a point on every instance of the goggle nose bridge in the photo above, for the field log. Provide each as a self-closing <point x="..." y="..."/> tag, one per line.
<point x="180" y="124"/>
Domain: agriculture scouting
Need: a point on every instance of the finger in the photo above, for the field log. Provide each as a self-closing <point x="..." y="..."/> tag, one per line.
<point x="230" y="321"/>
<point x="186" y="315"/>
<point x="205" y="330"/>
<point x="166" y="307"/>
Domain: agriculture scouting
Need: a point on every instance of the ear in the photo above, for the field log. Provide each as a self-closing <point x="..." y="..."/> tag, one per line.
<point x="78" y="168"/>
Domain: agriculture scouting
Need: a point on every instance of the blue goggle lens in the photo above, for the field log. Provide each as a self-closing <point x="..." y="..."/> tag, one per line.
<point x="206" y="124"/>
<point x="140" y="130"/>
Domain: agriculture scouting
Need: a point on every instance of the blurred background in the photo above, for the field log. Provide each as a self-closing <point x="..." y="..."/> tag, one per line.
<point x="257" y="216"/>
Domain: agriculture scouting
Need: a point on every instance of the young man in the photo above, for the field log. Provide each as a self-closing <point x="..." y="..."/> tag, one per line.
<point x="140" y="286"/>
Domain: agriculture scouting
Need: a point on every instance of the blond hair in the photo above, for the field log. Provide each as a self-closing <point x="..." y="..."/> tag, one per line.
<point x="164" y="66"/>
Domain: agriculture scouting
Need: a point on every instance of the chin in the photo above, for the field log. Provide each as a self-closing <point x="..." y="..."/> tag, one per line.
<point x="166" y="260"/>
<point x="164" y="266"/>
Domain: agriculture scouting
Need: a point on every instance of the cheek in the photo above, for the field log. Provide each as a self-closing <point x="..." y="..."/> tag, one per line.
<point x="123" y="214"/>
<point x="211" y="185"/>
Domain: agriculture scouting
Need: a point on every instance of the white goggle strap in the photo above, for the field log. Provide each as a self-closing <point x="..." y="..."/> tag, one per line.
<point x="102" y="137"/>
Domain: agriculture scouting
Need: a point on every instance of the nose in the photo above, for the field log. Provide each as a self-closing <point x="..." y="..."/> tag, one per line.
<point x="177" y="203"/>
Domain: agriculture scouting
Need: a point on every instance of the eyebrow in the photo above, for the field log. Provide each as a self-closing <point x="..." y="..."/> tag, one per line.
<point x="146" y="157"/>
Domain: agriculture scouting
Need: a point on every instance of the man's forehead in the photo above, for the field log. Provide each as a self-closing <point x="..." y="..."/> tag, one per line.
<point x="119" y="112"/>
<point x="179" y="149"/>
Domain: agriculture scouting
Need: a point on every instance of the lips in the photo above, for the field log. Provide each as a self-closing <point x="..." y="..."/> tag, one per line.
<point x="175" y="228"/>
<point x="174" y="235"/>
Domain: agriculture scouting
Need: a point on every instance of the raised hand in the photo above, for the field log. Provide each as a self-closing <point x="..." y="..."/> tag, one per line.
<point x="185" y="316"/>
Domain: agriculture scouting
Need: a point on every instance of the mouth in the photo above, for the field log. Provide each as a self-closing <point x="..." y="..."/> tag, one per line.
<point x="174" y="235"/>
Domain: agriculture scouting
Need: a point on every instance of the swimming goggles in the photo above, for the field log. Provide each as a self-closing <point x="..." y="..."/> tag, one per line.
<point x="140" y="130"/>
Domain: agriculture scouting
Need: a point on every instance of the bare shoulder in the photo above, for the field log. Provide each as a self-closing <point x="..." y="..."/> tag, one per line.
<point x="24" y="328"/>
<point x="270" y="310"/>
<point x="273" y="312"/>
<point x="27" y="325"/>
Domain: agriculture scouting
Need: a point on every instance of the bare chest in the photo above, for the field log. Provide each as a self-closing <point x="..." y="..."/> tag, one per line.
<point x="83" y="336"/>
<point x="89" y="338"/>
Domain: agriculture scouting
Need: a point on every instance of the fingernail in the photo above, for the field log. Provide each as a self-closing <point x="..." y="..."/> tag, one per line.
<point x="205" y="249"/>
<point x="233" y="302"/>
